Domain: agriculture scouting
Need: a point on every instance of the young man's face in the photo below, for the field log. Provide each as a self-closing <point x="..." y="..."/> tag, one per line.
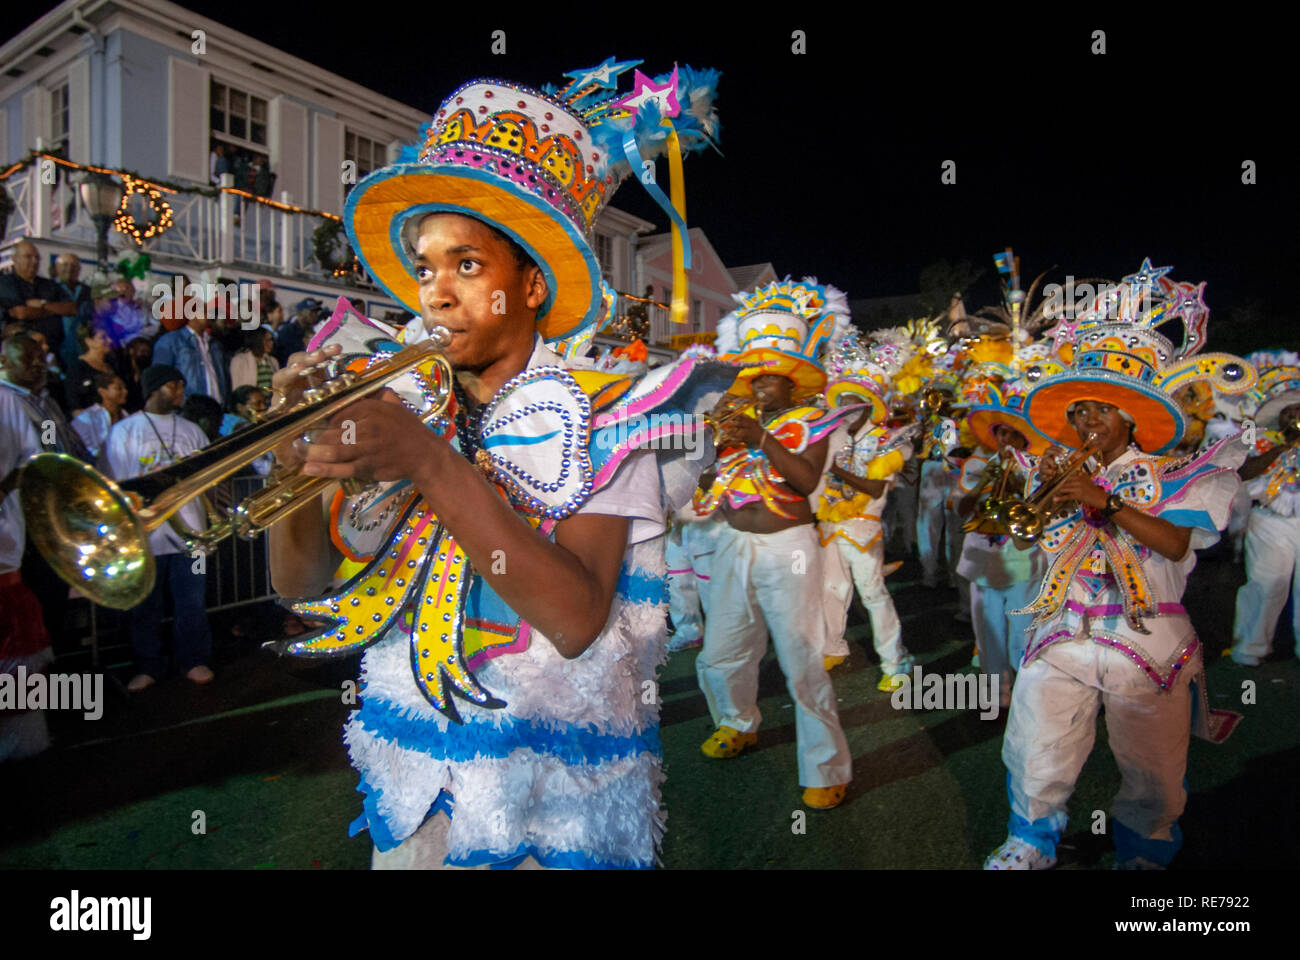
<point x="772" y="391"/>
<point x="1008" y="436"/>
<point x="1103" y="421"/>
<point x="471" y="284"/>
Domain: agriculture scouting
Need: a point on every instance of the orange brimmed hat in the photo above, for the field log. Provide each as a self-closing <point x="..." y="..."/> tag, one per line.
<point x="784" y="328"/>
<point x="1120" y="359"/>
<point x="537" y="165"/>
<point x="856" y="375"/>
<point x="1005" y="405"/>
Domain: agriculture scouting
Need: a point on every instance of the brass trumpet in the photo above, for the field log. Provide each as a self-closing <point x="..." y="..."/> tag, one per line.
<point x="728" y="408"/>
<point x="990" y="512"/>
<point x="94" y="532"/>
<point x="935" y="404"/>
<point x="1025" y="519"/>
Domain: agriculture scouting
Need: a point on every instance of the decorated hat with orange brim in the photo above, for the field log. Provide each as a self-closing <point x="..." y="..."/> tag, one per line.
<point x="809" y="378"/>
<point x="982" y="419"/>
<point x="1281" y="385"/>
<point x="858" y="389"/>
<point x="784" y="328"/>
<point x="536" y="166"/>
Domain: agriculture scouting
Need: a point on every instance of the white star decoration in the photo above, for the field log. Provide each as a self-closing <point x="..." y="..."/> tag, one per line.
<point x="605" y="74"/>
<point x="645" y="90"/>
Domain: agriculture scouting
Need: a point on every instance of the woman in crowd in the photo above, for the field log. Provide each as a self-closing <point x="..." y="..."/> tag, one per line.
<point x="95" y="357"/>
<point x="254" y="365"/>
<point x="101" y="405"/>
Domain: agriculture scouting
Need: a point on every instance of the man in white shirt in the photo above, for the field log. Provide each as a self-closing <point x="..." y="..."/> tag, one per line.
<point x="24" y="641"/>
<point x="140" y="443"/>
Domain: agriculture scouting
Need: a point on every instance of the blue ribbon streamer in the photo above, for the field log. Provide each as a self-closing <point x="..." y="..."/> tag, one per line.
<point x="661" y="198"/>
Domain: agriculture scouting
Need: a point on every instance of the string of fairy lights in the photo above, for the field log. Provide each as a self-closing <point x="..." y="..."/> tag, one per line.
<point x="162" y="217"/>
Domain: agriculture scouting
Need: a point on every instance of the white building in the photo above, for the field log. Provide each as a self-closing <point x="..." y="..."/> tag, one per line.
<point x="149" y="88"/>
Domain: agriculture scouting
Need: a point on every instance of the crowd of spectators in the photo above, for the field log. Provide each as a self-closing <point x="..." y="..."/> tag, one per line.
<point x="127" y="386"/>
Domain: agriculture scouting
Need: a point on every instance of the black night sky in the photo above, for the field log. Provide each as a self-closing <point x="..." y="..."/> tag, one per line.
<point x="832" y="158"/>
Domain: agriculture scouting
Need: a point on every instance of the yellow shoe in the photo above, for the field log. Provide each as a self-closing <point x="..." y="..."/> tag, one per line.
<point x="831" y="662"/>
<point x="726" y="743"/>
<point x="891" y="682"/>
<point x="824" y="798"/>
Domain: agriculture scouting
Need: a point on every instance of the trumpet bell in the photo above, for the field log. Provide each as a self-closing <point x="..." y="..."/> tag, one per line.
<point x="87" y="529"/>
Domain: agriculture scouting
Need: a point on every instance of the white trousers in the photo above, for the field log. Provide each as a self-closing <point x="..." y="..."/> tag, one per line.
<point x="1000" y="636"/>
<point x="899" y="518"/>
<point x="683" y="594"/>
<point x="934" y="522"/>
<point x="1272" y="572"/>
<point x="1053" y="723"/>
<point x="772" y="582"/>
<point x="846" y="567"/>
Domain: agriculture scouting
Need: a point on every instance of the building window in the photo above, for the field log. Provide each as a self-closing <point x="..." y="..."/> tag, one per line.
<point x="60" y="123"/>
<point x="605" y="256"/>
<point x="369" y="155"/>
<point x="237" y="115"/>
<point x="697" y="316"/>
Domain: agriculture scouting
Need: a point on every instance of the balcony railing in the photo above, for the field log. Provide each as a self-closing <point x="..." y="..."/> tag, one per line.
<point x="232" y="228"/>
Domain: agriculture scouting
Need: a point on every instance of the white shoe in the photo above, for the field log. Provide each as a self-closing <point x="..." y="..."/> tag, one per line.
<point x="141" y="681"/>
<point x="1017" y="854"/>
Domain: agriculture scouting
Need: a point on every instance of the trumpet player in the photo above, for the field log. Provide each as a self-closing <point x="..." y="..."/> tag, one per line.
<point x="506" y="723"/>
<point x="866" y="458"/>
<point x="1272" y="542"/>
<point x="767" y="565"/>
<point x="1109" y="628"/>
<point x="1002" y="578"/>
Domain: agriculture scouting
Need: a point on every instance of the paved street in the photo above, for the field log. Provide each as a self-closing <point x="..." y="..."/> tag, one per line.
<point x="259" y="753"/>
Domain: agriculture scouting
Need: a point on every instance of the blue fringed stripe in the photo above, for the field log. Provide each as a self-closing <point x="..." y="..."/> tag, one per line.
<point x="371" y="819"/>
<point x="636" y="587"/>
<point x="559" y="860"/>
<point x="476" y="739"/>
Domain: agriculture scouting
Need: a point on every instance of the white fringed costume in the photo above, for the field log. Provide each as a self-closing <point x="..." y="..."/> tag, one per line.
<point x="540" y="756"/>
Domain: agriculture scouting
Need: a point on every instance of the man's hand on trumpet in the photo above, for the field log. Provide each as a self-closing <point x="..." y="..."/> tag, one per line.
<point x="376" y="439"/>
<point x="287" y="387"/>
<point x="1080" y="488"/>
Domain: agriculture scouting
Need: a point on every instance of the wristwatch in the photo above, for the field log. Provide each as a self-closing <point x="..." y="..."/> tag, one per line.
<point x="1114" y="504"/>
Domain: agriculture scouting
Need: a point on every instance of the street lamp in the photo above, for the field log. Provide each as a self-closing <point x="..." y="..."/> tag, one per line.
<point x="101" y="195"/>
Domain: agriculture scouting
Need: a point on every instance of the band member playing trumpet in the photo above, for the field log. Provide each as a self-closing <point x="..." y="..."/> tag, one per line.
<point x="866" y="457"/>
<point x="1109" y="628"/>
<point x="1002" y="578"/>
<point x="512" y="591"/>
<point x="767" y="573"/>
<point x="1272" y="479"/>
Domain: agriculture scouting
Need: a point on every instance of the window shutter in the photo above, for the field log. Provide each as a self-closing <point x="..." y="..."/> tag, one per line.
<point x="289" y="148"/>
<point x="4" y="138"/>
<point x="327" y="165"/>
<point x="187" y="131"/>
<point x="79" y="111"/>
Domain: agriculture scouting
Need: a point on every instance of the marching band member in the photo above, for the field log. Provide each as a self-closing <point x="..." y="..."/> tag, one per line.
<point x="1109" y="629"/>
<point x="1272" y="480"/>
<point x="940" y="438"/>
<point x="767" y="575"/>
<point x="1002" y="579"/>
<point x="512" y="585"/>
<point x="865" y="460"/>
